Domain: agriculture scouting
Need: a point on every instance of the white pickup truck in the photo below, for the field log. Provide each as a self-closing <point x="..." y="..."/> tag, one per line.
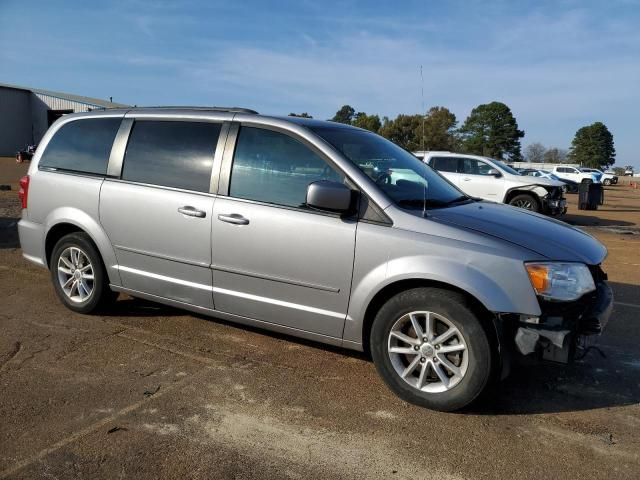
<point x="573" y="173"/>
<point x="490" y="179"/>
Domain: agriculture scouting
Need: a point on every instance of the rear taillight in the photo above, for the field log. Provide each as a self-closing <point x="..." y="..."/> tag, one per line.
<point x="23" y="193"/>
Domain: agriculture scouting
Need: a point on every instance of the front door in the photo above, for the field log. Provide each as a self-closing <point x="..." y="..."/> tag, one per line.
<point x="158" y="215"/>
<point x="274" y="259"/>
<point x="476" y="181"/>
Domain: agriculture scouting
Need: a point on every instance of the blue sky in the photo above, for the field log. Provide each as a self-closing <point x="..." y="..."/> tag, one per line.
<point x="558" y="65"/>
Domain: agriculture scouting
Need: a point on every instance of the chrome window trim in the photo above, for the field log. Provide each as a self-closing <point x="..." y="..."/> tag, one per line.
<point x="161" y="187"/>
<point x="217" y="157"/>
<point x="116" y="158"/>
<point x="227" y="159"/>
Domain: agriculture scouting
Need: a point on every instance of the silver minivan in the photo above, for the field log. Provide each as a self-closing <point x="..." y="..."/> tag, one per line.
<point x="314" y="229"/>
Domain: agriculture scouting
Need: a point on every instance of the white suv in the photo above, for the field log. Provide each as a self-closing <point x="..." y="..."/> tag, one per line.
<point x="607" y="178"/>
<point x="575" y="174"/>
<point x="490" y="179"/>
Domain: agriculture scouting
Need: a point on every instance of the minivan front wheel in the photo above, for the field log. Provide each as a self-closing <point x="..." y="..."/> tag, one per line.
<point x="431" y="349"/>
<point x="78" y="275"/>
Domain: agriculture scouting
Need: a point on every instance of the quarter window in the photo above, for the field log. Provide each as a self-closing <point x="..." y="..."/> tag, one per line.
<point x="275" y="168"/>
<point x="82" y="146"/>
<point x="171" y="154"/>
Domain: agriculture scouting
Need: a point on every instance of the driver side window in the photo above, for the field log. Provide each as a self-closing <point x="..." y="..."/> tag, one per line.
<point x="272" y="167"/>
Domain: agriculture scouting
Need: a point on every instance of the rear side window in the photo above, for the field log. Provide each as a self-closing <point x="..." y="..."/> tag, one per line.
<point x="445" y="164"/>
<point x="275" y="168"/>
<point x="82" y="146"/>
<point x="171" y="154"/>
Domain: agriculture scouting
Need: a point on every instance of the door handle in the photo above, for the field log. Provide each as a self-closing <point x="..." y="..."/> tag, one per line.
<point x="234" y="218"/>
<point x="192" y="212"/>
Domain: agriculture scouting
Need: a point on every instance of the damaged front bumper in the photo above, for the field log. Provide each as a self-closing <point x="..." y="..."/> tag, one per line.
<point x="563" y="327"/>
<point x="554" y="202"/>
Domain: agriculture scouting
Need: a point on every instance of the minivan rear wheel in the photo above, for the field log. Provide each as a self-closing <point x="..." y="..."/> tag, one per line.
<point x="431" y="348"/>
<point x="526" y="201"/>
<point x="78" y="274"/>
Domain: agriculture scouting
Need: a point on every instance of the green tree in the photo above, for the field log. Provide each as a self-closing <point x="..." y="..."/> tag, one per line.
<point x="593" y="146"/>
<point x="535" y="153"/>
<point x="344" y="115"/>
<point x="619" y="171"/>
<point x="302" y="115"/>
<point x="368" y="122"/>
<point x="492" y="130"/>
<point x="439" y="130"/>
<point x="402" y="131"/>
<point x="555" y="155"/>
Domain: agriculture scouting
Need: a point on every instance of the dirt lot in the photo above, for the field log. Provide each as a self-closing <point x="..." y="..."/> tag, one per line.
<point x="148" y="391"/>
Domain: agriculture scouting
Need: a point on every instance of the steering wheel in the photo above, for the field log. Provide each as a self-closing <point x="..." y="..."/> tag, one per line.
<point x="383" y="179"/>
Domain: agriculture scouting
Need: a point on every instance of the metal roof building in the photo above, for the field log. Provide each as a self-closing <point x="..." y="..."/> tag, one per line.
<point x="26" y="113"/>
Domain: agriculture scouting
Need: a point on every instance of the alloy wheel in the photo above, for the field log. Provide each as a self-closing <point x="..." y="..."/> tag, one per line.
<point x="75" y="274"/>
<point x="428" y="351"/>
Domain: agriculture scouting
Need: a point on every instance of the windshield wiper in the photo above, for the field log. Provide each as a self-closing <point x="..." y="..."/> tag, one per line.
<point x="422" y="203"/>
<point x="431" y="202"/>
<point x="460" y="199"/>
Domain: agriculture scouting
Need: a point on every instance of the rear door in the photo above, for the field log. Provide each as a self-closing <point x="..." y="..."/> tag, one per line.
<point x="158" y="213"/>
<point x="448" y="167"/>
<point x="274" y="259"/>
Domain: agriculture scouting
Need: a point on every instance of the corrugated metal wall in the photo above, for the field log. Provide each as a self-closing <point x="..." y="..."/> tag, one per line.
<point x="55" y="103"/>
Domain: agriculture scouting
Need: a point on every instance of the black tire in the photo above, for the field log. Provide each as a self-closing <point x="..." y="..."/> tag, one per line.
<point x="526" y="199"/>
<point x="456" y="308"/>
<point x="100" y="294"/>
<point x="607" y="182"/>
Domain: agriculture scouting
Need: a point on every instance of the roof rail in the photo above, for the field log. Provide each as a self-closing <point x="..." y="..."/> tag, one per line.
<point x="217" y="109"/>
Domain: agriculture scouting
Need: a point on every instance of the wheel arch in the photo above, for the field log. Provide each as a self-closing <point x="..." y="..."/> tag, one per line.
<point x="536" y="191"/>
<point x="61" y="222"/>
<point x="388" y="291"/>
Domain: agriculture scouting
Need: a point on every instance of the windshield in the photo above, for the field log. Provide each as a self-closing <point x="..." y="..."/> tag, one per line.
<point x="505" y="167"/>
<point x="409" y="182"/>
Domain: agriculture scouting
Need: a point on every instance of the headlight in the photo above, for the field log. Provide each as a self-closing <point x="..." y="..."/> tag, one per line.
<point x="560" y="281"/>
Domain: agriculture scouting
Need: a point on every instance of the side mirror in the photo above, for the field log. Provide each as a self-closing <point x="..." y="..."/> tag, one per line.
<point x="329" y="196"/>
<point x="493" y="172"/>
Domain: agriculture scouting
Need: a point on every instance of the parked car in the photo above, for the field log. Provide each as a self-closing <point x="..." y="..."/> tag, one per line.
<point x="605" y="178"/>
<point x="490" y="179"/>
<point x="310" y="228"/>
<point x="574" y="174"/>
<point x="569" y="185"/>
<point x="26" y="154"/>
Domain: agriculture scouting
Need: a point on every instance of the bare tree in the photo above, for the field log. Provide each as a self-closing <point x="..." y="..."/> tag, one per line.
<point x="555" y="155"/>
<point x="534" y="153"/>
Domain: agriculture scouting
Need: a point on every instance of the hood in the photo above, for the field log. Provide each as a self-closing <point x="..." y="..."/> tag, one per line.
<point x="545" y="236"/>
<point x="527" y="180"/>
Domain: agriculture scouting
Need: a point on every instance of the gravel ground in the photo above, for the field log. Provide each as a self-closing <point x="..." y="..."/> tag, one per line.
<point x="146" y="391"/>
